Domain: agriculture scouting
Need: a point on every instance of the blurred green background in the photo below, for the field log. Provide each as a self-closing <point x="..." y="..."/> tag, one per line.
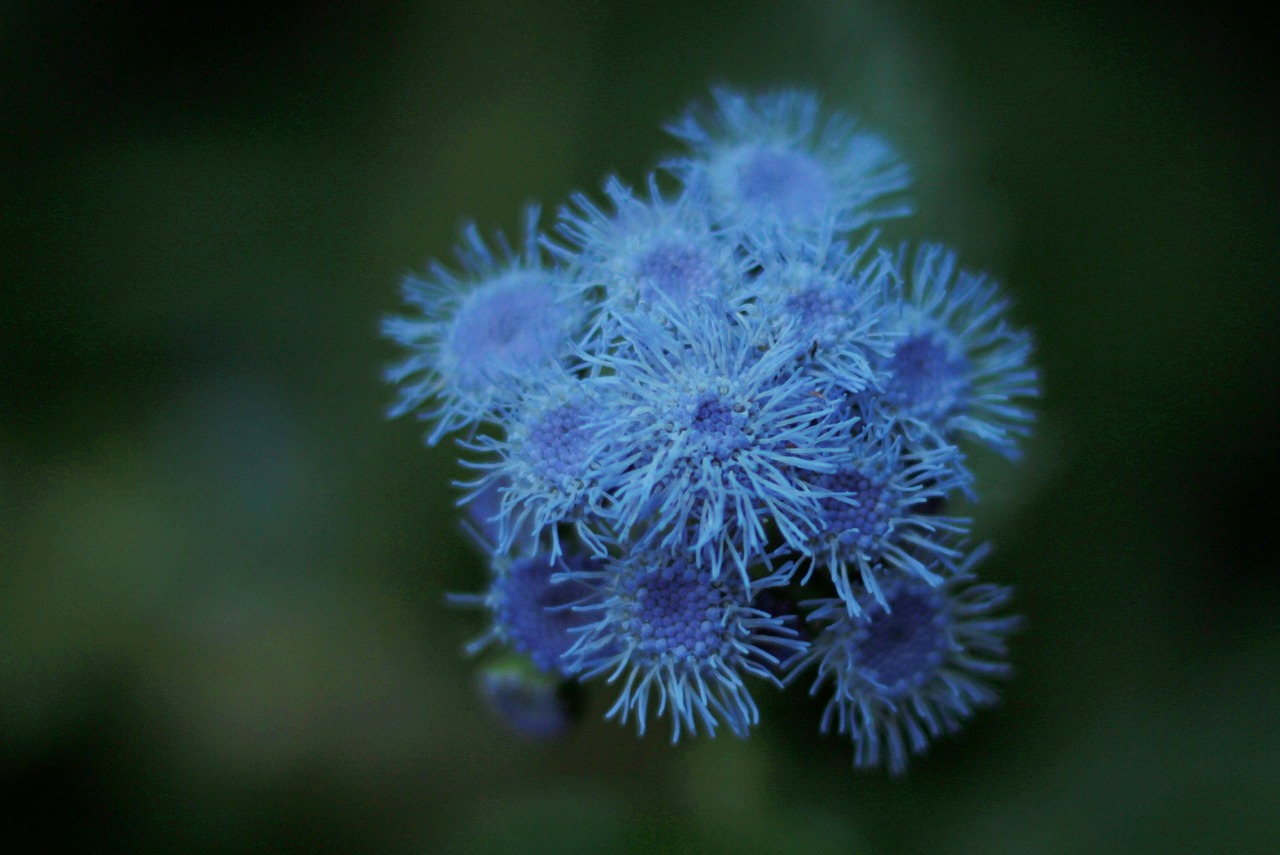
<point x="222" y="625"/>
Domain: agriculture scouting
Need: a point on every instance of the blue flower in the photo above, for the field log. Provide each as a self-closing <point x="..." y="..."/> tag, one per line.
<point x="910" y="669"/>
<point x="663" y="626"/>
<point x="773" y="162"/>
<point x="532" y="605"/>
<point x="719" y="429"/>
<point x="695" y="407"/>
<point x="550" y="464"/>
<point x="876" y="511"/>
<point x="504" y="319"/>
<point x="958" y="366"/>
<point x="836" y="297"/>
<point x="649" y="255"/>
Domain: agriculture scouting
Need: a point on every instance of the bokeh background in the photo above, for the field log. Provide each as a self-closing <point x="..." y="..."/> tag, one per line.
<point x="222" y="573"/>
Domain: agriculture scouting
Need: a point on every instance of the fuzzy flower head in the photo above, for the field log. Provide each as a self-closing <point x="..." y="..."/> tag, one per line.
<point x="875" y="512"/>
<point x="664" y="626"/>
<point x="835" y="296"/>
<point x="719" y="428"/>
<point x="651" y="255"/>
<point x="549" y="466"/>
<point x="958" y="367"/>
<point x="911" y="668"/>
<point x="503" y="319"/>
<point x="531" y="602"/>
<point x="713" y="427"/>
<point x="773" y="162"/>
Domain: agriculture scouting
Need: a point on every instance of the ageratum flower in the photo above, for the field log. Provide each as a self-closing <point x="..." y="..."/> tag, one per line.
<point x="663" y="626"/>
<point x="773" y="163"/>
<point x="653" y="255"/>
<point x="875" y="511"/>
<point x="911" y="668"/>
<point x="958" y="367"/>
<point x="707" y="408"/>
<point x="503" y="319"/>
<point x="549" y="467"/>
<point x="719" y="431"/>
<point x="531" y="602"/>
<point x="835" y="296"/>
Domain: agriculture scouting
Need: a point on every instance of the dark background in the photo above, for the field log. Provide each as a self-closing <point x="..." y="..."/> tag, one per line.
<point x="222" y="625"/>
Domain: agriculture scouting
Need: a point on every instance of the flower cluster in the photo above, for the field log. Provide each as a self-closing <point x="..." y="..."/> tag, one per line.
<point x="714" y="428"/>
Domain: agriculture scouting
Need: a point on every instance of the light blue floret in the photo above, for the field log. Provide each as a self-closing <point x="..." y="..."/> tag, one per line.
<point x="836" y="298"/>
<point x="503" y="319"/>
<point x="662" y="626"/>
<point x="721" y="431"/>
<point x="959" y="367"/>
<point x="876" y="511"/>
<point x="551" y="465"/>
<point x="531" y="605"/>
<point x="653" y="255"/>
<point x="773" y="162"/>
<point x="909" y="670"/>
